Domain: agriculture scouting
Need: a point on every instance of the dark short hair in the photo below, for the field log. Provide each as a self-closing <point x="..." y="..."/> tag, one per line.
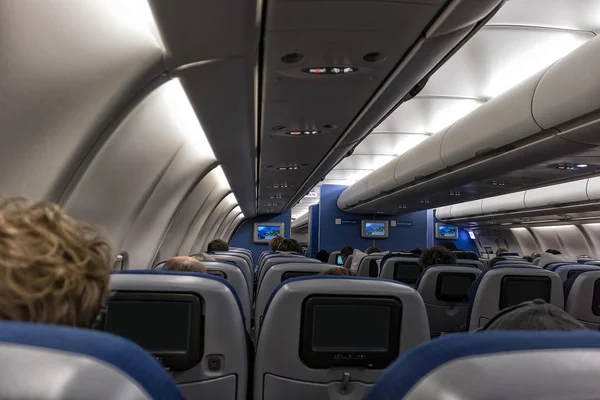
<point x="372" y="249"/>
<point x="297" y="247"/>
<point x="536" y="315"/>
<point x="217" y="245"/>
<point x="323" y="256"/>
<point x="345" y="252"/>
<point x="274" y="243"/>
<point x="416" y="252"/>
<point x="552" y="251"/>
<point x="437" y="255"/>
<point x="286" y="245"/>
<point x="338" y="271"/>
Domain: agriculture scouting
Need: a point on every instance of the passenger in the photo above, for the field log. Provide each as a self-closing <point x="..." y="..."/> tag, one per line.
<point x="528" y="258"/>
<point x="371" y="250"/>
<point x="536" y="315"/>
<point x="345" y="252"/>
<point x="338" y="271"/>
<point x="217" y="245"/>
<point x="274" y="243"/>
<point x="286" y="246"/>
<point x="323" y="256"/>
<point x="203" y="256"/>
<point x="501" y="250"/>
<point x="297" y="247"/>
<point x="552" y="251"/>
<point x="416" y="252"/>
<point x="53" y="269"/>
<point x="437" y="255"/>
<point x="184" y="264"/>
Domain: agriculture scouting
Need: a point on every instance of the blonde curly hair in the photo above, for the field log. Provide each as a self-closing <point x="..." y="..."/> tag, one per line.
<point x="53" y="269"/>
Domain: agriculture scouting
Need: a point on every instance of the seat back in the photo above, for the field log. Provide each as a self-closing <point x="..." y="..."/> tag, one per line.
<point x="536" y="261"/>
<point x="196" y="318"/>
<point x="583" y="301"/>
<point x="247" y="254"/>
<point x="274" y="276"/>
<point x="444" y="289"/>
<point x="509" y="254"/>
<point x="402" y="269"/>
<point x="240" y="261"/>
<point x="565" y="271"/>
<point x="333" y="258"/>
<point x="519" y="261"/>
<point x="368" y="266"/>
<point x="52" y="362"/>
<point x="501" y="287"/>
<point x="348" y="262"/>
<point x="475" y="263"/>
<point x="595" y="262"/>
<point x="497" y="365"/>
<point x="318" y="334"/>
<point x="269" y="262"/>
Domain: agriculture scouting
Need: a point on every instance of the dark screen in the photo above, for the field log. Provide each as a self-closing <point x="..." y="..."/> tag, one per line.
<point x="406" y="272"/>
<point x="517" y="289"/>
<point x="596" y="298"/>
<point x="156" y="326"/>
<point x="340" y="260"/>
<point x="454" y="286"/>
<point x="295" y="274"/>
<point x="339" y="327"/>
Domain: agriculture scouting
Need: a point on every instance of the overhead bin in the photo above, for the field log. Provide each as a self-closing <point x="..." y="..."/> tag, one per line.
<point x="570" y="192"/>
<point x="466" y="209"/>
<point x="502" y="133"/>
<point x="593" y="188"/>
<point x="444" y="212"/>
<point x="506" y="202"/>
<point x="300" y="222"/>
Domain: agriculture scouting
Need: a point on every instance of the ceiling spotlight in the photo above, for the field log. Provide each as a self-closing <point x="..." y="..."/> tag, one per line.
<point x="582" y="165"/>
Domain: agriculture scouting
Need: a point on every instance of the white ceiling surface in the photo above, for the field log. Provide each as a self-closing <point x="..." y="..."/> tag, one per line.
<point x="523" y="37"/>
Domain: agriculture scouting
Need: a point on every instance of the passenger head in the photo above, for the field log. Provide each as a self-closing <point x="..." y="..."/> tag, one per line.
<point x="536" y="315"/>
<point x="286" y="245"/>
<point x="528" y="258"/>
<point x="297" y="247"/>
<point x="501" y="250"/>
<point x="217" y="245"/>
<point x="371" y="250"/>
<point x="53" y="269"/>
<point x="552" y="251"/>
<point x="338" y="271"/>
<point x="203" y="256"/>
<point x="437" y="255"/>
<point x="275" y="242"/>
<point x="345" y="252"/>
<point x="416" y="252"/>
<point x="184" y="264"/>
<point x="323" y="256"/>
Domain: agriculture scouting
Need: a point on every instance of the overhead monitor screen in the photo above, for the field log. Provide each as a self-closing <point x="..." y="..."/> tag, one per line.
<point x="374" y="229"/>
<point x="407" y="272"/>
<point x="515" y="290"/>
<point x="340" y="260"/>
<point x="264" y="232"/>
<point x="454" y="286"/>
<point x="447" y="232"/>
<point x="350" y="331"/>
<point x="146" y="322"/>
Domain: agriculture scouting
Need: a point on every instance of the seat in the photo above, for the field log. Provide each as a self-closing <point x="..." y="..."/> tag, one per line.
<point x="583" y="298"/>
<point x="368" y="266"/>
<point x="319" y="333"/>
<point x="333" y="258"/>
<point x="595" y="262"/>
<point x="402" y="269"/>
<point x="274" y="276"/>
<point x="513" y="262"/>
<point x="497" y="365"/>
<point x="192" y="322"/>
<point x="268" y="255"/>
<point x="509" y="254"/>
<point x="505" y="286"/>
<point x="247" y="254"/>
<point x="475" y="263"/>
<point x="444" y="289"/>
<point x="554" y="265"/>
<point x="55" y="362"/>
<point x="536" y="261"/>
<point x="270" y="262"/>
<point x="466" y="255"/>
<point x="239" y="260"/>
<point x="565" y="271"/>
<point x="348" y="262"/>
<point x="233" y="274"/>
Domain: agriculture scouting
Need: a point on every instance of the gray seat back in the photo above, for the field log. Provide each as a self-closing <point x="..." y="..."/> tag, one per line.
<point x="234" y="275"/>
<point x="536" y="261"/>
<point x="348" y="262"/>
<point x="246" y="254"/>
<point x="402" y="269"/>
<point x="269" y="262"/>
<point x="333" y="258"/>
<point x="583" y="302"/>
<point x="222" y="371"/>
<point x="274" y="277"/>
<point x="283" y="369"/>
<point x="444" y="289"/>
<point x="474" y="263"/>
<point x="368" y="266"/>
<point x="595" y="262"/>
<point x="240" y="261"/>
<point x="568" y="270"/>
<point x="503" y="287"/>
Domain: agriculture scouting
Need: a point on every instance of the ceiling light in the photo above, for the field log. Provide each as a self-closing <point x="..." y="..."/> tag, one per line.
<point x="449" y="115"/>
<point x="506" y="223"/>
<point x="221" y="178"/>
<point x="582" y="165"/>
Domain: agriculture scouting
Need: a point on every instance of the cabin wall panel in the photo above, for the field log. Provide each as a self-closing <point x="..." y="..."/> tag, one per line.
<point x="208" y="231"/>
<point x="593" y="233"/>
<point x="568" y="239"/>
<point x="228" y="236"/>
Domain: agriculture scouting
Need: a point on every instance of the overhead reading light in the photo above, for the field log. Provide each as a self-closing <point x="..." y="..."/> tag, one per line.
<point x="568" y="166"/>
<point x="290" y="168"/>
<point x="498" y="183"/>
<point x="303" y="133"/>
<point x="343" y="70"/>
<point x="279" y="186"/>
<point x="275" y="196"/>
<point x="455" y="193"/>
<point x="582" y="165"/>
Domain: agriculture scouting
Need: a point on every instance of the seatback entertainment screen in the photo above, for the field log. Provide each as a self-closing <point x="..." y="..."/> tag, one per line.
<point x="454" y="286"/>
<point x="515" y="290"/>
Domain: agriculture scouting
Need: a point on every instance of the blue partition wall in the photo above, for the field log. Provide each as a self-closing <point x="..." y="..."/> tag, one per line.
<point x="410" y="232"/>
<point x="313" y="230"/>
<point x="244" y="235"/>
<point x="464" y="241"/>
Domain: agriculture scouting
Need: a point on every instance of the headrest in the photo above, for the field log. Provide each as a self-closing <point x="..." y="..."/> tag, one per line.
<point x="442" y="284"/>
<point x="466" y="255"/>
<point x="582" y="293"/>
<point x="517" y="365"/>
<point x="56" y="362"/>
<point x="507" y="253"/>
<point x="566" y="271"/>
<point x="401" y="269"/>
<point x="506" y="286"/>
